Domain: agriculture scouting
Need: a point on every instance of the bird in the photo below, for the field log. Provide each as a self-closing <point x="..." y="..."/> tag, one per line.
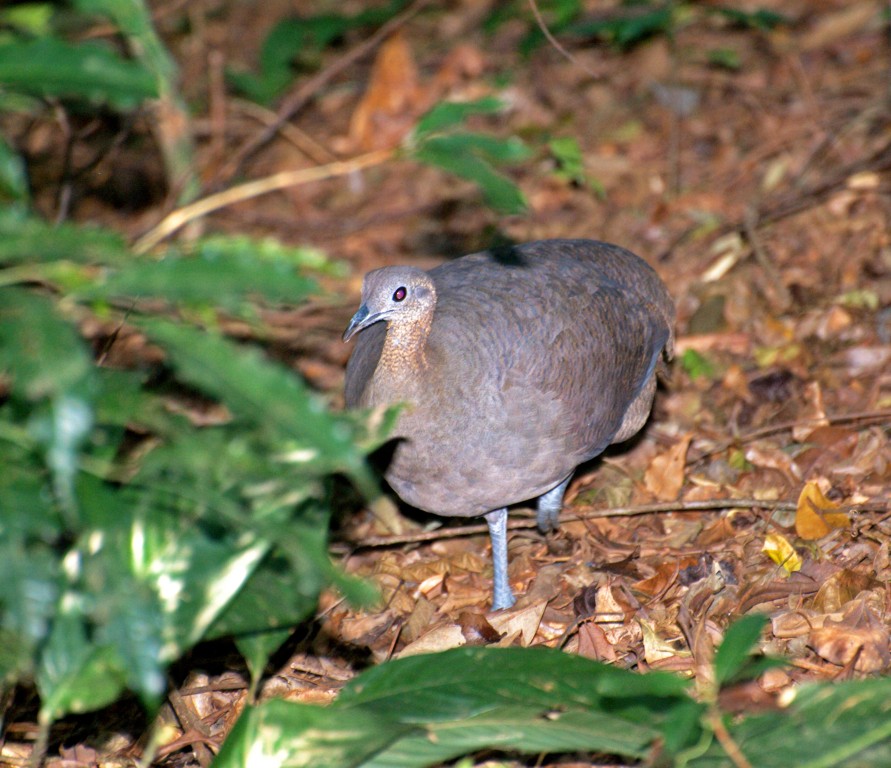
<point x="512" y="366"/>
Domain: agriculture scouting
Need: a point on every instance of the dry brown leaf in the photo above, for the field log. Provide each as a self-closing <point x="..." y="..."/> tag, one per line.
<point x="364" y="630"/>
<point x="592" y="643"/>
<point x="439" y="638"/>
<point x="419" y="620"/>
<point x="813" y="415"/>
<point x="657" y="648"/>
<point x="477" y="630"/>
<point x="392" y="101"/>
<point x="815" y="515"/>
<point x="839" y="589"/>
<point x="524" y="621"/>
<point x="665" y="476"/>
<point x="666" y="572"/>
<point x="866" y="647"/>
<point x="832" y="27"/>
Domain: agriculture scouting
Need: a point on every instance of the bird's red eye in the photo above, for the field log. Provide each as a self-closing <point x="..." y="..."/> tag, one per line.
<point x="399" y="293"/>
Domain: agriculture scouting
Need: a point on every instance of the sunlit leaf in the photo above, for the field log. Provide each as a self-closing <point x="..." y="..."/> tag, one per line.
<point x="74" y="674"/>
<point x="777" y="548"/>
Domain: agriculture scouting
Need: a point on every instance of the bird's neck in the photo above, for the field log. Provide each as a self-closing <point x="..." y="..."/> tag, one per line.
<point x="405" y="349"/>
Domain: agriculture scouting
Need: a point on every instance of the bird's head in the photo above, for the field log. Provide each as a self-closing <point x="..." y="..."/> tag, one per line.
<point x="396" y="295"/>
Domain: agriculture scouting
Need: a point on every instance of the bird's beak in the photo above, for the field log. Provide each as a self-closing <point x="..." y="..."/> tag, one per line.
<point x="359" y="321"/>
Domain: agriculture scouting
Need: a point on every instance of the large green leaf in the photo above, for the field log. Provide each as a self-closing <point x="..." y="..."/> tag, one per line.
<point x="29" y="239"/>
<point x="424" y="710"/>
<point x="75" y="675"/>
<point x="289" y="735"/>
<point x="447" y="685"/>
<point x="40" y="352"/>
<point x="224" y="281"/>
<point x="263" y="394"/>
<point x="53" y="68"/>
<point x="831" y="725"/>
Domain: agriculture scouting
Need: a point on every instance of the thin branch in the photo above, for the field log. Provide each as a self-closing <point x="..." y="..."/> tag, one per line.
<point x="785" y="426"/>
<point x="727" y="741"/>
<point x="539" y="19"/>
<point x="294" y="102"/>
<point x="590" y="513"/>
<point x="182" y="216"/>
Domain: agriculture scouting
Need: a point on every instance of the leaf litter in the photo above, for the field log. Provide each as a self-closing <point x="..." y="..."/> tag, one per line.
<point x="765" y="207"/>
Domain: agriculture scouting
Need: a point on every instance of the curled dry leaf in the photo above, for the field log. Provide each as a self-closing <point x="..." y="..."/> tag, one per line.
<point x="665" y="476"/>
<point x="592" y="643"/>
<point x="860" y="638"/>
<point x="816" y="515"/>
<point x="438" y="639"/>
<point x="476" y="629"/>
<point x="839" y="589"/>
<point x="393" y="99"/>
<point x="522" y="623"/>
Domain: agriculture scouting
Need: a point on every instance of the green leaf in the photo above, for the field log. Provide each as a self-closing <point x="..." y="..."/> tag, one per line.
<point x="524" y="729"/>
<point x="223" y="281"/>
<point x="501" y="193"/>
<point x="727" y="58"/>
<point x="75" y="675"/>
<point x="831" y="725"/>
<point x="290" y="735"/>
<point x="736" y="649"/>
<point x="449" y="114"/>
<point x="697" y="365"/>
<point x="256" y="648"/>
<point x="52" y="68"/>
<point x="761" y="19"/>
<point x="424" y="710"/>
<point x="31" y="18"/>
<point x="41" y="352"/>
<point x="13" y="177"/>
<point x="29" y="239"/>
<point x="446" y="686"/>
<point x="261" y="392"/>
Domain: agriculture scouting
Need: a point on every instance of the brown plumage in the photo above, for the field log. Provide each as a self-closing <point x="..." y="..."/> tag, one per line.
<point x="515" y="365"/>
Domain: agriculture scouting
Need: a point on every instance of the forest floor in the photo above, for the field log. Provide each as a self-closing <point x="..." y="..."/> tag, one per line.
<point x="760" y="191"/>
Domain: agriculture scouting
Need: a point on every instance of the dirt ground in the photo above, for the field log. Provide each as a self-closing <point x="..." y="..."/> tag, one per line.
<point x="760" y="192"/>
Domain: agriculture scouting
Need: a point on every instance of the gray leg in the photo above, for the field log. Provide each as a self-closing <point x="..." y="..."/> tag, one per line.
<point x="502" y="596"/>
<point x="549" y="506"/>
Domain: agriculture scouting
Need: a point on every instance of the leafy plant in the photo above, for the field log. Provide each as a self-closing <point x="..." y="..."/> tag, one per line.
<point x="626" y="24"/>
<point x="424" y="710"/>
<point x="570" y="163"/>
<point x="127" y="535"/>
<point x="439" y="139"/>
<point x="296" y="44"/>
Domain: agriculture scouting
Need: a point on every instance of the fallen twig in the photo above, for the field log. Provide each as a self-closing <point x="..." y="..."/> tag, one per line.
<point x="295" y="101"/>
<point x="590" y="513"/>
<point x="182" y="216"/>
<point x="785" y="426"/>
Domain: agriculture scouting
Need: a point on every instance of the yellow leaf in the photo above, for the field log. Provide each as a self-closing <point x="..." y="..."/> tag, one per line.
<point x="778" y="549"/>
<point x="815" y="515"/>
